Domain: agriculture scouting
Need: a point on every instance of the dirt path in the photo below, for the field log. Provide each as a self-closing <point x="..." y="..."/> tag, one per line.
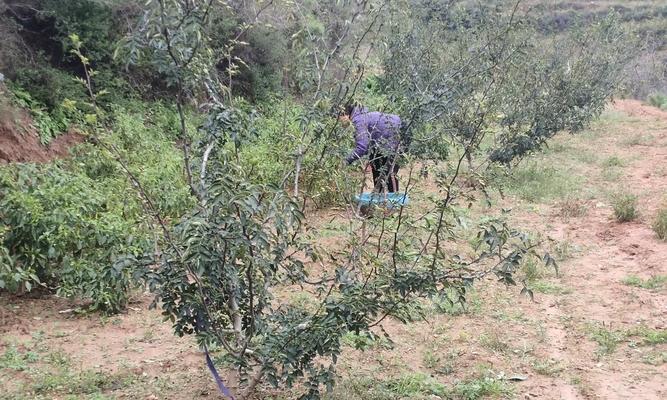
<point x="613" y="251"/>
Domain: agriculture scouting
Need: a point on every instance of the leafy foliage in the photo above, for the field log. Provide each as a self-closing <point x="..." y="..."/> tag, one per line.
<point x="90" y="19"/>
<point x="60" y="231"/>
<point x="225" y="263"/>
<point x="228" y="208"/>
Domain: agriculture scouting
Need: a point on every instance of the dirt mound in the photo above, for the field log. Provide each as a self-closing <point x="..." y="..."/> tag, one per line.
<point x="19" y="141"/>
<point x="636" y="108"/>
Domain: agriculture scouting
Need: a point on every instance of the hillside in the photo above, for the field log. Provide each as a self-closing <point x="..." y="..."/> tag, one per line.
<point x="600" y="317"/>
<point x="333" y="200"/>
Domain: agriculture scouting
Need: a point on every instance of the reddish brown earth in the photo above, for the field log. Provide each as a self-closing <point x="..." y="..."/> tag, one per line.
<point x="549" y="342"/>
<point x="19" y="141"/>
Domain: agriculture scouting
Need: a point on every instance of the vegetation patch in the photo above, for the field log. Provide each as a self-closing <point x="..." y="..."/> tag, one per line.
<point x="658" y="100"/>
<point x="613" y="161"/>
<point x="17" y="360"/>
<point x="660" y="224"/>
<point x="625" y="207"/>
<point x="653" y="283"/>
<point x="546" y="287"/>
<point x="572" y="208"/>
<point x="536" y="182"/>
<point x="606" y="337"/>
<point x="548" y="367"/>
<point x="648" y="336"/>
<point x="421" y="386"/>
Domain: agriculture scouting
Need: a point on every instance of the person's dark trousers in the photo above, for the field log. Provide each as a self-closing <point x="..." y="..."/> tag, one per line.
<point x="385" y="169"/>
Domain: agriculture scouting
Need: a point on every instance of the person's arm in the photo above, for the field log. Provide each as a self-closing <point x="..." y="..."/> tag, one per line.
<point x="362" y="139"/>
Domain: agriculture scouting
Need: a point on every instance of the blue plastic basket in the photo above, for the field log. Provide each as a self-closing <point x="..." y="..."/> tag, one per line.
<point x="388" y="200"/>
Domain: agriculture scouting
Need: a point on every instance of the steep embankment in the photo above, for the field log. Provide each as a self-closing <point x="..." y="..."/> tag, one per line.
<point x="19" y="138"/>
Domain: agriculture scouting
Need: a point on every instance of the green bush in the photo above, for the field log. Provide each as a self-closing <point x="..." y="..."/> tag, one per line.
<point x="660" y="224"/>
<point x="48" y="124"/>
<point x="61" y="230"/>
<point x="91" y="20"/>
<point x="268" y="155"/>
<point x="77" y="226"/>
<point x="49" y="86"/>
<point x="625" y="207"/>
<point x="658" y="100"/>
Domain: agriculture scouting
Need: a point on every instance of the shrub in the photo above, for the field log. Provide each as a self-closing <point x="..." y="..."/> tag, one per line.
<point x="61" y="230"/>
<point x="660" y="224"/>
<point x="90" y="19"/>
<point x="49" y="86"/>
<point x="625" y="207"/>
<point x="48" y="124"/>
<point x="658" y="100"/>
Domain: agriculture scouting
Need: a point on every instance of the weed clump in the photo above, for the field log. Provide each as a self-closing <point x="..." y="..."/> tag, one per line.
<point x="660" y="224"/>
<point x="607" y="339"/>
<point x="572" y="208"/>
<point x="625" y="207"/>
<point x="613" y="161"/>
<point x="652" y="283"/>
<point x="658" y="100"/>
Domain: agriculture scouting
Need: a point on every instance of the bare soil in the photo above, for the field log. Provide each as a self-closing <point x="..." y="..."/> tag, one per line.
<point x="552" y="343"/>
<point x="19" y="141"/>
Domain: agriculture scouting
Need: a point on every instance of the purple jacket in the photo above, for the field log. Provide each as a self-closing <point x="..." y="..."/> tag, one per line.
<point x="374" y="131"/>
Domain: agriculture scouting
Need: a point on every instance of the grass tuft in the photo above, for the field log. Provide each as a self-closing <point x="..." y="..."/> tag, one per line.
<point x="538" y="183"/>
<point x="652" y="283"/>
<point x="572" y="208"/>
<point x="625" y="207"/>
<point x="549" y="288"/>
<point x="660" y="224"/>
<point x="16" y="360"/>
<point x="606" y="338"/>
<point x="658" y="100"/>
<point x="613" y="161"/>
<point x="548" y="367"/>
<point x="649" y="336"/>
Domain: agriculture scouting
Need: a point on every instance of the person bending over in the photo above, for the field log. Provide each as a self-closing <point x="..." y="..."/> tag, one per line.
<point x="378" y="136"/>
